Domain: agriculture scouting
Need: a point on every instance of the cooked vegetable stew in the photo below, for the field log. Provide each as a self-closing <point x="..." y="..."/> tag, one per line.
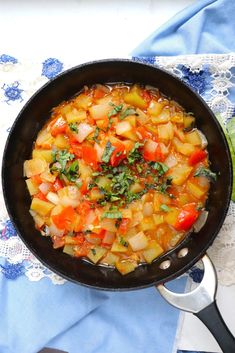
<point x="119" y="175"/>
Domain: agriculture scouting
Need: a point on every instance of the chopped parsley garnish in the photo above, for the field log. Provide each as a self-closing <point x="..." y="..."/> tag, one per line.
<point x="112" y="214"/>
<point x="123" y="242"/>
<point x="165" y="185"/>
<point x="139" y="168"/>
<point x="72" y="171"/>
<point x="96" y="134"/>
<point x="206" y="173"/>
<point x="164" y="208"/>
<point x="107" y="152"/>
<point x="62" y="157"/>
<point x="73" y="127"/>
<point x="161" y="168"/>
<point x="126" y="112"/>
<point x="116" y="109"/>
<point x="135" y="154"/>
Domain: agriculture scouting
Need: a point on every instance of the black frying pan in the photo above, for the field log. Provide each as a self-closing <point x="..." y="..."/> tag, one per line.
<point x="19" y="146"/>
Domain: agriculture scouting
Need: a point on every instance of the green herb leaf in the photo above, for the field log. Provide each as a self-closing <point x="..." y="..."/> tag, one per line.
<point x="135" y="154"/>
<point x="165" y="185"/>
<point x="107" y="152"/>
<point x="73" y="127"/>
<point x="72" y="172"/>
<point x="161" y="168"/>
<point x="96" y="134"/>
<point x="112" y="214"/>
<point x="207" y="173"/>
<point x="139" y="168"/>
<point x="62" y="157"/>
<point x="126" y="112"/>
<point x="164" y="208"/>
<point x="116" y="109"/>
<point x="53" y="153"/>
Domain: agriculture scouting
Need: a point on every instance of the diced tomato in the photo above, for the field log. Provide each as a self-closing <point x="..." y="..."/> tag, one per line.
<point x="143" y="133"/>
<point x="57" y="184"/>
<point x="146" y="95"/>
<point x="118" y="154"/>
<point x="99" y="235"/>
<point x="76" y="148"/>
<point x="98" y="93"/>
<point x="84" y="249"/>
<point x="41" y="196"/>
<point x="65" y="218"/>
<point x="58" y="126"/>
<point x="71" y="136"/>
<point x="90" y="120"/>
<point x="83" y="189"/>
<point x="186" y="218"/>
<point x="37" y="179"/>
<point x="89" y="155"/>
<point x="79" y="238"/>
<point x="152" y="151"/>
<point x="83" y="208"/>
<point x="124" y="225"/>
<point x="197" y="156"/>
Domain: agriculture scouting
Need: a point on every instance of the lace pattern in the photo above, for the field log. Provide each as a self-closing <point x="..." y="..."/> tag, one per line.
<point x="212" y="76"/>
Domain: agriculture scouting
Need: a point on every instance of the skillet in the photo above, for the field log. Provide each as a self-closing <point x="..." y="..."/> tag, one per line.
<point x="170" y="265"/>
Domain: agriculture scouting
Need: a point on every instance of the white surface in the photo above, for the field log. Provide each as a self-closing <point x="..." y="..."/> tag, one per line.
<point x="81" y="28"/>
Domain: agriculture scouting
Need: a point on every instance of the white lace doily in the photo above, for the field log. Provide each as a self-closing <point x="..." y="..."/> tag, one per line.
<point x="210" y="75"/>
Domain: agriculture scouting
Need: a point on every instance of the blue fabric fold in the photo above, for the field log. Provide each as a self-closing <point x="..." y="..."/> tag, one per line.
<point x="34" y="313"/>
<point x="77" y="319"/>
<point x="206" y="27"/>
<point x="130" y="322"/>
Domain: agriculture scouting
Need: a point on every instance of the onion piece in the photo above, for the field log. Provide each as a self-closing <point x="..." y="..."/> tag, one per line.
<point x="44" y="188"/>
<point x="84" y="130"/>
<point x="123" y="127"/>
<point x="148" y="209"/>
<point x="164" y="149"/>
<point x="54" y="231"/>
<point x="69" y="196"/>
<point x="53" y="197"/>
<point x="170" y="161"/>
<point x="99" y="151"/>
<point x="203" y="138"/>
<point x="109" y="237"/>
<point x="200" y="222"/>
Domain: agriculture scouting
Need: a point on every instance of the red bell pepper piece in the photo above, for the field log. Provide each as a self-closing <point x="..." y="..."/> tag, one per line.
<point x="89" y="155"/>
<point x="76" y="148"/>
<point x="118" y="154"/>
<point x="57" y="184"/>
<point x="186" y="217"/>
<point x="197" y="156"/>
<point x="41" y="196"/>
<point x="64" y="219"/>
<point x="152" y="151"/>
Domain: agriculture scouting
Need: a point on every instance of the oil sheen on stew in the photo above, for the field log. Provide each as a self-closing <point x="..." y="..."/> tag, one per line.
<point x="119" y="175"/>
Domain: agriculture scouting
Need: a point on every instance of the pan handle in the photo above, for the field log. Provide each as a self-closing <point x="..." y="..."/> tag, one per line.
<point x="201" y="302"/>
